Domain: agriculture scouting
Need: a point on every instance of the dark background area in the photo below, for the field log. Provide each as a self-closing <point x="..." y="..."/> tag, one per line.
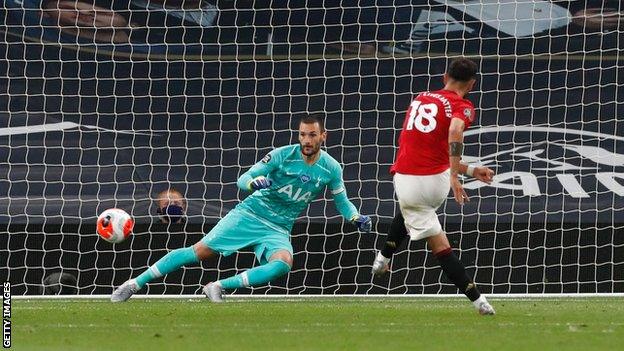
<point x="139" y="127"/>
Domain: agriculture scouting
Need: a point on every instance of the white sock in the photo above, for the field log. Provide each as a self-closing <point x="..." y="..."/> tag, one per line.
<point x="381" y="257"/>
<point x="479" y="301"/>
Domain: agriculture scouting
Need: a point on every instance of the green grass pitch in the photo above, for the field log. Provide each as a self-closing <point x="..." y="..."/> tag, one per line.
<point x="318" y="324"/>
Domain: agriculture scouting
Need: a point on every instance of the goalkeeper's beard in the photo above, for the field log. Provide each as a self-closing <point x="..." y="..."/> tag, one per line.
<point x="314" y="150"/>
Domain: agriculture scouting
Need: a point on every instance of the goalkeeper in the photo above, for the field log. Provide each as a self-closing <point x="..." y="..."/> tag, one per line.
<point x="283" y="183"/>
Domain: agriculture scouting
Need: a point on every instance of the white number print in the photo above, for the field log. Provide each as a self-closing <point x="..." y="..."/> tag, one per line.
<point x="418" y="113"/>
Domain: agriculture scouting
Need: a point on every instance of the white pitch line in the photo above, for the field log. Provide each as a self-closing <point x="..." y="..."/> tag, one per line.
<point x="305" y="297"/>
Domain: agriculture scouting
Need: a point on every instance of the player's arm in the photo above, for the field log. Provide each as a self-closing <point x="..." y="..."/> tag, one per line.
<point x="456" y="149"/>
<point x="255" y="178"/>
<point x="345" y="207"/>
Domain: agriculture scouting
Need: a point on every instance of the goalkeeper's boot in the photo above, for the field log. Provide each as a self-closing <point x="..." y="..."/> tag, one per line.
<point x="380" y="265"/>
<point x="213" y="291"/>
<point x="125" y="291"/>
<point x="484" y="307"/>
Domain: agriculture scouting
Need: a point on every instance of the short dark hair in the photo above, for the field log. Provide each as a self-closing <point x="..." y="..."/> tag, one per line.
<point x="311" y="119"/>
<point x="462" y="69"/>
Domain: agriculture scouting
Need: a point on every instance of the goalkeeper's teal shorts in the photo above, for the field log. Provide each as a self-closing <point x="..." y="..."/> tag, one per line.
<point x="241" y="229"/>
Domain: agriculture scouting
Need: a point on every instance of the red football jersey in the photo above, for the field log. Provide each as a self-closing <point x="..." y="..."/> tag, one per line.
<point x="423" y="143"/>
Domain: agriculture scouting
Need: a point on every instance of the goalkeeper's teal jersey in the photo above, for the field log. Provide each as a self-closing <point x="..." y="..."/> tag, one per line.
<point x="295" y="185"/>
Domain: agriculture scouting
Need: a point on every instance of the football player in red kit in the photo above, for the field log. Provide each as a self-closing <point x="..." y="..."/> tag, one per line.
<point x="427" y="165"/>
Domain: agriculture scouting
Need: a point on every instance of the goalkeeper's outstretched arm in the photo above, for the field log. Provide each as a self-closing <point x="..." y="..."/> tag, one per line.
<point x="346" y="208"/>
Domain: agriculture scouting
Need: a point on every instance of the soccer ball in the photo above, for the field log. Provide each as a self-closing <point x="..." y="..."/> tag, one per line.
<point x="114" y="225"/>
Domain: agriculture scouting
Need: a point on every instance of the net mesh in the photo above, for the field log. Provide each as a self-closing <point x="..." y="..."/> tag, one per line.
<point x="107" y="103"/>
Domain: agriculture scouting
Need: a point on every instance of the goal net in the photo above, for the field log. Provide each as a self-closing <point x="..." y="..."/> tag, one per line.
<point x="108" y="103"/>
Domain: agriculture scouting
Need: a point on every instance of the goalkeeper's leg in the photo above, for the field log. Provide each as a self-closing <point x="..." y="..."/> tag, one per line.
<point x="456" y="272"/>
<point x="172" y="261"/>
<point x="396" y="236"/>
<point x="278" y="264"/>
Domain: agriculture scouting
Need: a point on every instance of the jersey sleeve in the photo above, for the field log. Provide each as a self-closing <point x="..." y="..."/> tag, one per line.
<point x="336" y="185"/>
<point x="465" y="111"/>
<point x="344" y="206"/>
<point x="266" y="165"/>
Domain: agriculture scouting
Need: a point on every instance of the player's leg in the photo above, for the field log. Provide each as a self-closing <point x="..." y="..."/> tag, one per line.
<point x="419" y="197"/>
<point x="278" y="265"/>
<point x="396" y="235"/>
<point x="456" y="272"/>
<point x="223" y="239"/>
<point x="172" y="261"/>
<point x="175" y="260"/>
<point x="275" y="255"/>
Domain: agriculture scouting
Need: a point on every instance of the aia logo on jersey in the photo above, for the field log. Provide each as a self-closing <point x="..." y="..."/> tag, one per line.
<point x="295" y="194"/>
<point x="304" y="178"/>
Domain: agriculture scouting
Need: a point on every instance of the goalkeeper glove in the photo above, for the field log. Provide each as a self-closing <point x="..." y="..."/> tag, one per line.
<point x="260" y="182"/>
<point x="363" y="223"/>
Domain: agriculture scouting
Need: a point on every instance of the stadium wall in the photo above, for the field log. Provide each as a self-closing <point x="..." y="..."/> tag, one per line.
<point x="197" y="125"/>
